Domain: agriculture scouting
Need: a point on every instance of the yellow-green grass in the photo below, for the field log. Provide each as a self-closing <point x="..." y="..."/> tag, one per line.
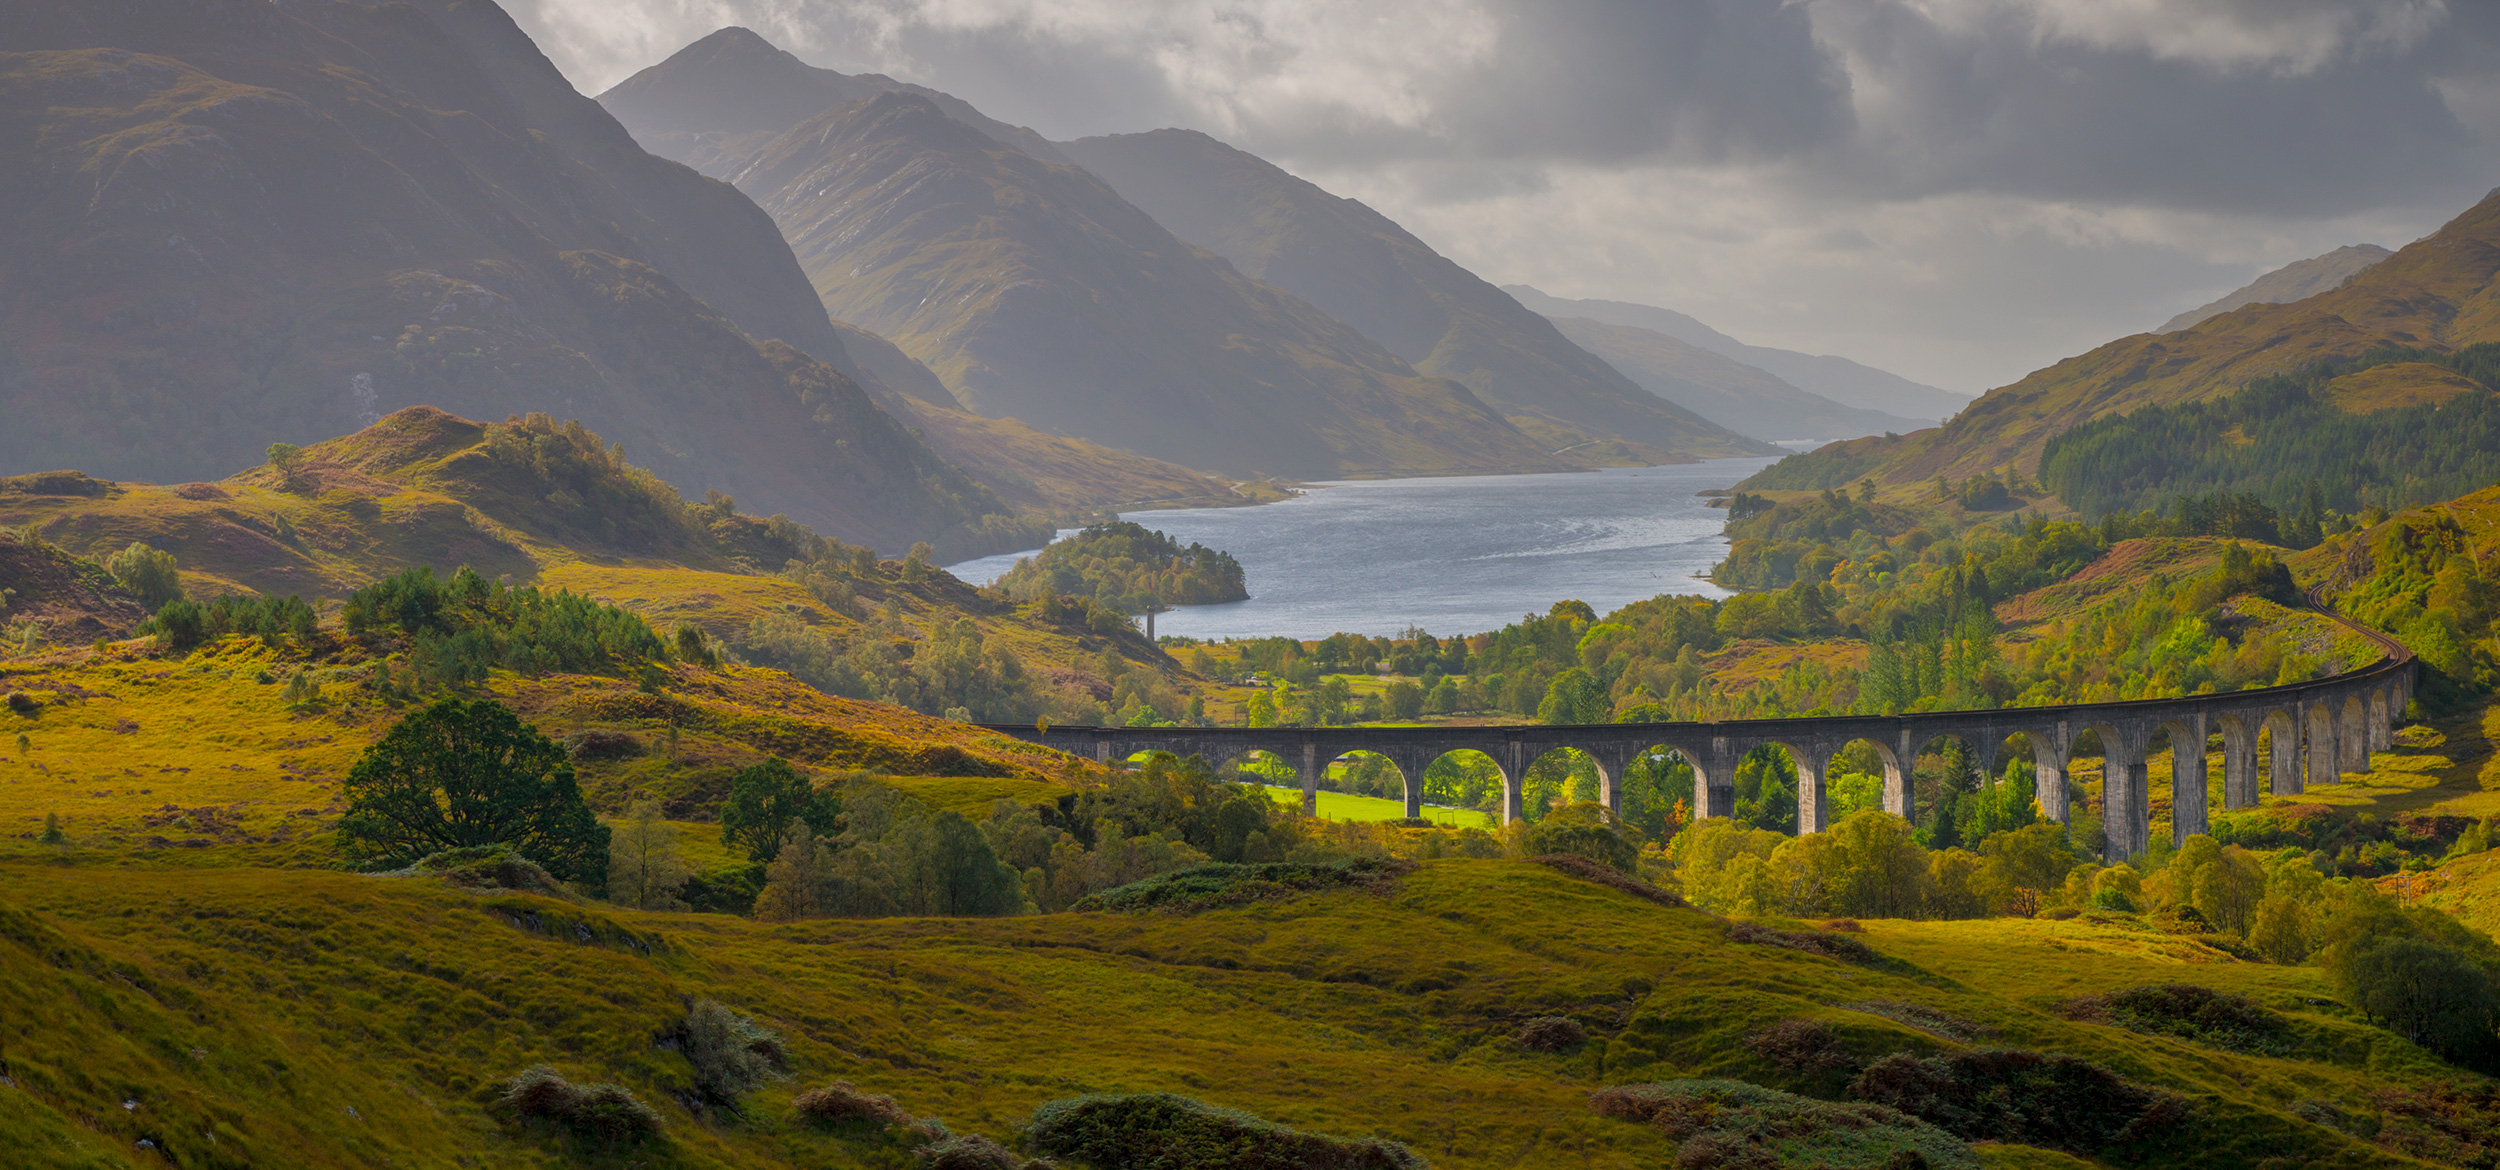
<point x="310" y="1018"/>
<point x="161" y="759"/>
<point x="1346" y="806"/>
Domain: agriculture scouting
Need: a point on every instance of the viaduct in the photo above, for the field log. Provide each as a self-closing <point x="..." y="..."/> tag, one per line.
<point x="2317" y="731"/>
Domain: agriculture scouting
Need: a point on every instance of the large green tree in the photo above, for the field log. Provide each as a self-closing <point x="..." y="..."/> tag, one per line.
<point x="763" y="799"/>
<point x="460" y="774"/>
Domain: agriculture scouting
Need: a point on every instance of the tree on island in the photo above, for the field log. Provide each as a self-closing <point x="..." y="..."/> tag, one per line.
<point x="460" y="774"/>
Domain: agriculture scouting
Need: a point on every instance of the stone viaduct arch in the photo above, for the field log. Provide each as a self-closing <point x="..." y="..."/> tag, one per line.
<point x="2318" y="731"/>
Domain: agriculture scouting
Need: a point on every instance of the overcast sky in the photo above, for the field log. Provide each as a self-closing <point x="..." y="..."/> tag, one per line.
<point x="1958" y="190"/>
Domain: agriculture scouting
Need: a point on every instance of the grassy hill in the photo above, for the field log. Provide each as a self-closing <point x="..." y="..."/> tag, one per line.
<point x="2437" y="292"/>
<point x="1362" y="268"/>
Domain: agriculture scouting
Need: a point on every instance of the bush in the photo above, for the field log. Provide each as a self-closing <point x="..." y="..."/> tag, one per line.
<point x="1550" y="1034"/>
<point x="731" y="1054"/>
<point x="1732" y="1124"/>
<point x="842" y="1102"/>
<point x="1205" y="887"/>
<point x="1807" y="1047"/>
<point x="486" y="867"/>
<point x="2188" y="1012"/>
<point x="2027" y="1098"/>
<point x="1168" y="1132"/>
<point x="1812" y="942"/>
<point x="971" y="1151"/>
<point x="600" y="744"/>
<point x="607" y="1114"/>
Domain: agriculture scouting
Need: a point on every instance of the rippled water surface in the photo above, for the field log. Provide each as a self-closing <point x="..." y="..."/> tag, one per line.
<point x="1452" y="555"/>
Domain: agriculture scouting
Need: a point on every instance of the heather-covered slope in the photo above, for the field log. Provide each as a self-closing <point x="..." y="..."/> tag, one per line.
<point x="240" y="224"/>
<point x="1744" y="399"/>
<point x="1360" y="267"/>
<point x="1837" y="378"/>
<point x="2438" y="292"/>
<point x="1034" y="291"/>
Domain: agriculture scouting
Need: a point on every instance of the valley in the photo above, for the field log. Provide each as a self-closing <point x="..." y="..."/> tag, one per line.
<point x="934" y="614"/>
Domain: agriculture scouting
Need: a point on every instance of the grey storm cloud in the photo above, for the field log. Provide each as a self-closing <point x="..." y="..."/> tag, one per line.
<point x="1852" y="163"/>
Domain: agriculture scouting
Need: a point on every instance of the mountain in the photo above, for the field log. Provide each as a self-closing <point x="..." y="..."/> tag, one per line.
<point x="1836" y="378"/>
<point x="1360" y="267"/>
<point x="1743" y="398"/>
<point x="2296" y="281"/>
<point x="2441" y="292"/>
<point x="237" y="224"/>
<point x="1034" y="292"/>
<point x="715" y="101"/>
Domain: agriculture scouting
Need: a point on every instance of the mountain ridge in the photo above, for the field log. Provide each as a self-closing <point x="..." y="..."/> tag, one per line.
<point x="307" y="217"/>
<point x="1743" y="398"/>
<point x="1851" y="384"/>
<point x="2298" y="280"/>
<point x="1359" y="266"/>
<point x="2442" y="291"/>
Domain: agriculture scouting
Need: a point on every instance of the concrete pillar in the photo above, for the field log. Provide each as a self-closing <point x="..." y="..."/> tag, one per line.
<point x="1612" y="761"/>
<point x="2126" y="814"/>
<point x="2353" y="735"/>
<point x="2382" y="721"/>
<point x="1102" y="751"/>
<point x="1514" y="781"/>
<point x="2187" y="778"/>
<point x="1900" y="787"/>
<point x="2239" y="763"/>
<point x="1706" y="775"/>
<point x="2048" y="768"/>
<point x="2283" y="736"/>
<point x="2324" y="758"/>
<point x="1412" y="763"/>
<point x="1813" y="809"/>
<point x="1310" y="779"/>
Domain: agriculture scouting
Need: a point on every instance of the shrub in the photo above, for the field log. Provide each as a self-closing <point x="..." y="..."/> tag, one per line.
<point x="601" y="1113"/>
<point x="842" y="1102"/>
<point x="2450" y="1122"/>
<point x="1813" y="942"/>
<point x="601" y="744"/>
<point x="486" y="867"/>
<point x="1550" y="1034"/>
<point x="24" y="704"/>
<point x="971" y="1151"/>
<point x="1205" y="887"/>
<point x="1808" y="1047"/>
<point x="146" y="573"/>
<point x="731" y="1054"/>
<point x="1732" y="1124"/>
<point x="2188" y="1012"/>
<point x="1168" y="1132"/>
<point x="2024" y="1097"/>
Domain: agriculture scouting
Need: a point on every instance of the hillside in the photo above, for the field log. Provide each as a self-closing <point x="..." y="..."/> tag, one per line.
<point x="2296" y="281"/>
<point x="1843" y="381"/>
<point x="2436" y="293"/>
<point x="535" y="503"/>
<point x="1034" y="292"/>
<point x="229" y="233"/>
<point x="1742" y="398"/>
<point x="1360" y="267"/>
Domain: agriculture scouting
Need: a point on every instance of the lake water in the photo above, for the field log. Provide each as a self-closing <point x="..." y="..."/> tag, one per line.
<point x="1453" y="555"/>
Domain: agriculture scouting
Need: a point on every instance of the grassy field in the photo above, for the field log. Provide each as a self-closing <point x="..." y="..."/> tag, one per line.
<point x="1345" y="806"/>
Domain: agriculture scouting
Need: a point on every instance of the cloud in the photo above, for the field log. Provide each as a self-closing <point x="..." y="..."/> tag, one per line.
<point x="1966" y="188"/>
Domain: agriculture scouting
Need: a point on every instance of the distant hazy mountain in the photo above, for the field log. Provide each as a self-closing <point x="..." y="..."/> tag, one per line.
<point x="2296" y="281"/>
<point x="230" y="225"/>
<point x="1363" y="269"/>
<point x="721" y="97"/>
<point x="1740" y="397"/>
<point x="1032" y="290"/>
<point x="1836" y="378"/>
